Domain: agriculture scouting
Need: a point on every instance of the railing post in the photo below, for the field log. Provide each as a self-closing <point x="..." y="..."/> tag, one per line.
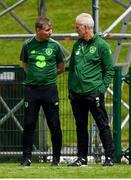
<point x="42" y="8"/>
<point x="130" y="115"/>
<point x="117" y="112"/>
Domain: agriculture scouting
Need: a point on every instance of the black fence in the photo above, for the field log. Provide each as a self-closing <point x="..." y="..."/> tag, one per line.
<point x="11" y="120"/>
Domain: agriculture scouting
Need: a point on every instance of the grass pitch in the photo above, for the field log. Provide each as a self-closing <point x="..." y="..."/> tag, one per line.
<point x="44" y="170"/>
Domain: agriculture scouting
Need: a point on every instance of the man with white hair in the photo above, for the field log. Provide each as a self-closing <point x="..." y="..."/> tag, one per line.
<point x="91" y="70"/>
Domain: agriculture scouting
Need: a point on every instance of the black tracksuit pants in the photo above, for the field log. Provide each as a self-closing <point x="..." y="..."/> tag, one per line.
<point x="81" y="105"/>
<point x="47" y="97"/>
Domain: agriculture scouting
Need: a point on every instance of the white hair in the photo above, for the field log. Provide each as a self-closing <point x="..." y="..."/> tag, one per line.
<point x="85" y="19"/>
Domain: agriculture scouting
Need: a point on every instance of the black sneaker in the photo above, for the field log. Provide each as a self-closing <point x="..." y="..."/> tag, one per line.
<point x="108" y="162"/>
<point x="55" y="162"/>
<point x="79" y="162"/>
<point x="25" y="162"/>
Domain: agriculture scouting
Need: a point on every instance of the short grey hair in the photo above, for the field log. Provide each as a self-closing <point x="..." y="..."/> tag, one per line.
<point x="85" y="19"/>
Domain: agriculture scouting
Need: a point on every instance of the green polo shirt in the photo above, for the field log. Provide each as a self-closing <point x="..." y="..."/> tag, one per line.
<point x="91" y="66"/>
<point x="42" y="59"/>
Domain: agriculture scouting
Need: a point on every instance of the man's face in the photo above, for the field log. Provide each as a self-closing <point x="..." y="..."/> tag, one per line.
<point x="80" y="29"/>
<point x="83" y="31"/>
<point x="43" y="33"/>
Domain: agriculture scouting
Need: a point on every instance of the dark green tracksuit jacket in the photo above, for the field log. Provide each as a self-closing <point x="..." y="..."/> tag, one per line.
<point x="91" y="66"/>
